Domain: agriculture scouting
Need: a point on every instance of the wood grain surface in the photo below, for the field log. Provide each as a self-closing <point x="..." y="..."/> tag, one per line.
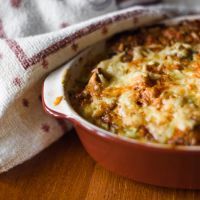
<point x="65" y="171"/>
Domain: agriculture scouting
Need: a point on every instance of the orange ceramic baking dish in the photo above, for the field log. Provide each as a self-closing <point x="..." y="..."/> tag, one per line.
<point x="157" y="164"/>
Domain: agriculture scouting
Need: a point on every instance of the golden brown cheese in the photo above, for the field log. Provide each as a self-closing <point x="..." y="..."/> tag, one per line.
<point x="149" y="90"/>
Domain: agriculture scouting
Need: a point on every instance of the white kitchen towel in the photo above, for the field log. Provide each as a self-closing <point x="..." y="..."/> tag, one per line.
<point x="37" y="37"/>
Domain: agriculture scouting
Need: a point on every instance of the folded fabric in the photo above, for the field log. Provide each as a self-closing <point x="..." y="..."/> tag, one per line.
<point x="25" y="129"/>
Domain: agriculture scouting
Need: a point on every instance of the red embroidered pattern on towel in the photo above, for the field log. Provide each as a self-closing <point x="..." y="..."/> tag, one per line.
<point x="27" y="62"/>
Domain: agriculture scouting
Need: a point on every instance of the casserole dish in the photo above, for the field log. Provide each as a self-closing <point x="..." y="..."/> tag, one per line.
<point x="157" y="164"/>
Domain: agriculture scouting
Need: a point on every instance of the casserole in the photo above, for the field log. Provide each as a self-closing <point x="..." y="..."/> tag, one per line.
<point x="148" y="87"/>
<point x="158" y="164"/>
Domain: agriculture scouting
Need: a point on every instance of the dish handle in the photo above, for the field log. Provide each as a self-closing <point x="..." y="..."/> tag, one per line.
<point x="53" y="97"/>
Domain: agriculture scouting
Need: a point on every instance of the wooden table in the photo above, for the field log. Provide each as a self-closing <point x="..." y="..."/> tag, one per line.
<point x="65" y="171"/>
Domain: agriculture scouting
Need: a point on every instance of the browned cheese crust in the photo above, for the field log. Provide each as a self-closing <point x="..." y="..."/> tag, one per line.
<point x="148" y="88"/>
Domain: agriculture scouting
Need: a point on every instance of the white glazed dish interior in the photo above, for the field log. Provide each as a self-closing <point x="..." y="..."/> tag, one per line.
<point x="54" y="87"/>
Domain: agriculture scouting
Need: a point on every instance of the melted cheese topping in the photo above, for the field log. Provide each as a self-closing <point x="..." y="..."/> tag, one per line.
<point x="154" y="97"/>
